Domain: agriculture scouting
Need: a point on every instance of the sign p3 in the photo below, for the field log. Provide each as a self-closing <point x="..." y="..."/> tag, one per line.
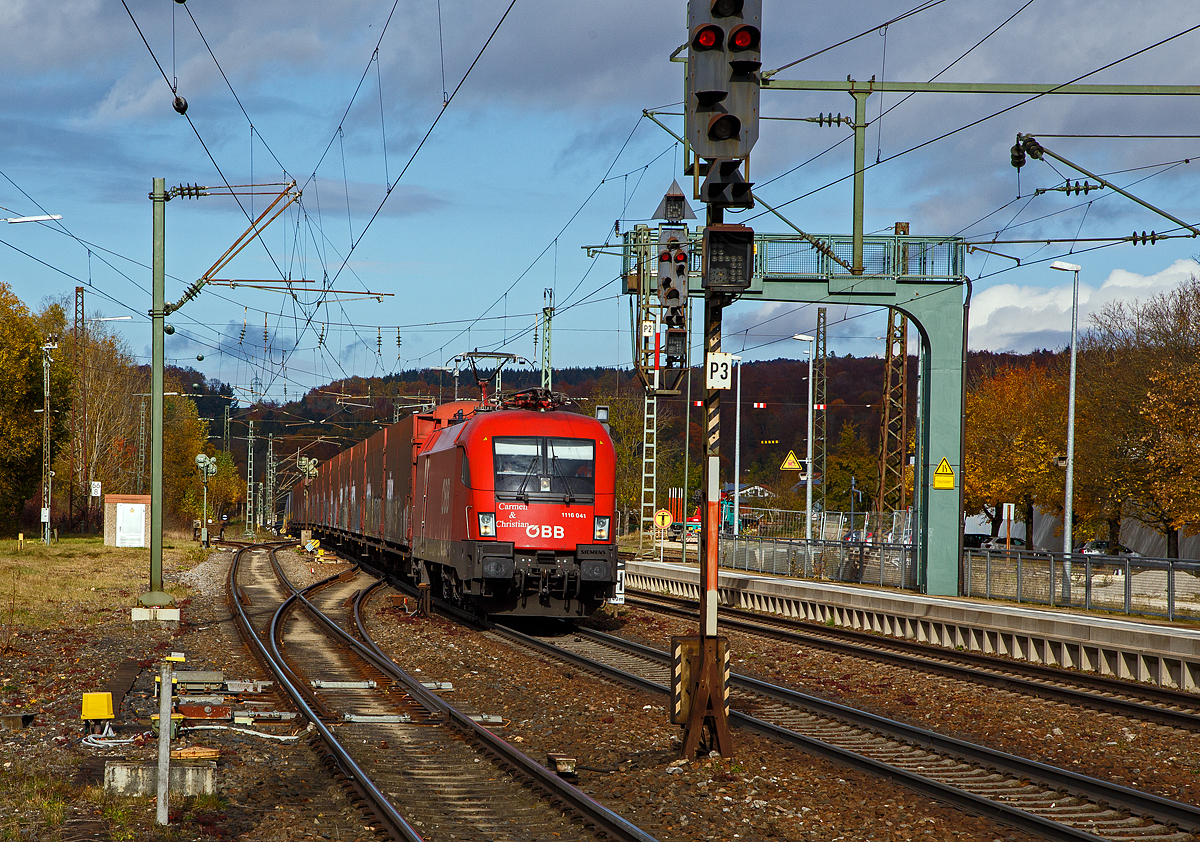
<point x="718" y="371"/>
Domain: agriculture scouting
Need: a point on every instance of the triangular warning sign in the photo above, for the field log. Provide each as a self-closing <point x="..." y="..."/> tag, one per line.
<point x="791" y="463"/>
<point x="943" y="475"/>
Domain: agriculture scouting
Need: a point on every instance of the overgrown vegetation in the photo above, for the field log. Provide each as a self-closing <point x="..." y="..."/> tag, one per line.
<point x="1137" y="424"/>
<point x="78" y="579"/>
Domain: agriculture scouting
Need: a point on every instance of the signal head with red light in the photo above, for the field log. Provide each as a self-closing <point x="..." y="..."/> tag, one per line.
<point x="723" y="83"/>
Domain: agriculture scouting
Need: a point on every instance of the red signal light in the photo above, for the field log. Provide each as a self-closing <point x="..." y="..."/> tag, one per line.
<point x="708" y="37"/>
<point x="744" y="38"/>
<point x="665" y="257"/>
<point x="681" y="257"/>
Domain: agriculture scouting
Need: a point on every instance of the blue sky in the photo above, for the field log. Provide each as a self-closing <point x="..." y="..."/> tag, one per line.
<point x="540" y="151"/>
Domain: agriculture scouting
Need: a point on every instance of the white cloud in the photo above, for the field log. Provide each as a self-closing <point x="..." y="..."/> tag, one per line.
<point x="1007" y="317"/>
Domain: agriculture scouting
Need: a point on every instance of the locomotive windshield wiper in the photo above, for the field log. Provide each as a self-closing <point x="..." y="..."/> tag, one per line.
<point x="522" y="494"/>
<point x="568" y="497"/>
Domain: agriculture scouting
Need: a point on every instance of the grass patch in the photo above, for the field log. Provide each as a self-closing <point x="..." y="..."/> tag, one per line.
<point x="120" y="812"/>
<point x="31" y="803"/>
<point x="78" y="580"/>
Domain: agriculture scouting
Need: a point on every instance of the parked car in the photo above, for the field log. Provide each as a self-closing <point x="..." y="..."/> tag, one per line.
<point x="1106" y="548"/>
<point x="1002" y="543"/>
<point x="975" y="540"/>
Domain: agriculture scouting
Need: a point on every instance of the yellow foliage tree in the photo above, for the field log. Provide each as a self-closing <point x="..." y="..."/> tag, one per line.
<point x="1015" y="425"/>
<point x="22" y="335"/>
<point x="1127" y="390"/>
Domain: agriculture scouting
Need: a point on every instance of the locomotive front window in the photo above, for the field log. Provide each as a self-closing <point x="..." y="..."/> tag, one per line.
<point x="518" y="464"/>
<point x="572" y="467"/>
<point x="545" y="469"/>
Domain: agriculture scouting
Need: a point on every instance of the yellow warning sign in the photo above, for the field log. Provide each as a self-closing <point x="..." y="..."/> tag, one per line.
<point x="943" y="475"/>
<point x="663" y="519"/>
<point x="791" y="463"/>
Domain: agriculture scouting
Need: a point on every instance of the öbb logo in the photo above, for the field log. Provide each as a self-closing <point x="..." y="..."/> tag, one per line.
<point x="535" y="531"/>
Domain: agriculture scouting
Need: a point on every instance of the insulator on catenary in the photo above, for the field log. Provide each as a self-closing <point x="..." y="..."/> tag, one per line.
<point x="1017" y="156"/>
<point x="1144" y="238"/>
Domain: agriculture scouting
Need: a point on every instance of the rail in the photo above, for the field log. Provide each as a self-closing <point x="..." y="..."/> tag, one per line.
<point x="379" y="803"/>
<point x="1041" y="822"/>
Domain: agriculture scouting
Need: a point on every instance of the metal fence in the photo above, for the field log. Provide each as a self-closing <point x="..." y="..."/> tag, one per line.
<point x="1153" y="587"/>
<point x="891" y="565"/>
<point x="827" y="526"/>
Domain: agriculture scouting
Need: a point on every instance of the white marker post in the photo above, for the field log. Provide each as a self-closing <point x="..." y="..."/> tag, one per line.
<point x="164" y="741"/>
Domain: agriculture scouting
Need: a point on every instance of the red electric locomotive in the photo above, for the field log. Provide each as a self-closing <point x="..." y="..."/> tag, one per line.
<point x="507" y="508"/>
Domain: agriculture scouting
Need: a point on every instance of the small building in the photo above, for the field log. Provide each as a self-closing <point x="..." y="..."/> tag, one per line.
<point x="758" y="491"/>
<point x="126" y="520"/>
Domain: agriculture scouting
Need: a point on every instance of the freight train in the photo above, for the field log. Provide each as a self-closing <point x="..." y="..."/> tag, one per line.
<point x="505" y="507"/>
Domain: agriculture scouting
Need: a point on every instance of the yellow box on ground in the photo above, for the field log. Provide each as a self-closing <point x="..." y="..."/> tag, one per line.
<point x="97" y="706"/>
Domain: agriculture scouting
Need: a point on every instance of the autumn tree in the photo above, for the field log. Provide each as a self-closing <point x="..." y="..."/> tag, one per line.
<point x="1172" y="443"/>
<point x="22" y="335"/>
<point x="108" y="412"/>
<point x="184" y="436"/>
<point x="1130" y="363"/>
<point x="227" y="487"/>
<point x="1015" y="426"/>
<point x="625" y="429"/>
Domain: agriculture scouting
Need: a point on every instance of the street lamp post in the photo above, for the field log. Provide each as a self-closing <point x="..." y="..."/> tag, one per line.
<point x="49" y="217"/>
<point x="808" y="461"/>
<point x="46" y="472"/>
<point x="1069" y="491"/>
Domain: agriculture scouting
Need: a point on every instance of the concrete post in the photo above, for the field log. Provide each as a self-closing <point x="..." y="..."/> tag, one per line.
<point x="164" y="742"/>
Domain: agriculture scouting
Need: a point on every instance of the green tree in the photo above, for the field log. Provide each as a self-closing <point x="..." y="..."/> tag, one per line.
<point x="852" y="458"/>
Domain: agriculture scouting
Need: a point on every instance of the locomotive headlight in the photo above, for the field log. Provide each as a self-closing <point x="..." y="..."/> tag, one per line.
<point x="600" y="528"/>
<point x="487" y="524"/>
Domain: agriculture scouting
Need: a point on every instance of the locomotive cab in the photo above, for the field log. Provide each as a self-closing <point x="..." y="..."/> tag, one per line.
<point x="514" y="512"/>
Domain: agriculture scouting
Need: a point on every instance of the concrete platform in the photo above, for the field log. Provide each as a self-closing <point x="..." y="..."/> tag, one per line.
<point x="187" y="777"/>
<point x="1167" y="654"/>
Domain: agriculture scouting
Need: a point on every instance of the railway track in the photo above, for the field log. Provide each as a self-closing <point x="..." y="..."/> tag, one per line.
<point x="1041" y="799"/>
<point x="1146" y="702"/>
<point x="421" y="767"/>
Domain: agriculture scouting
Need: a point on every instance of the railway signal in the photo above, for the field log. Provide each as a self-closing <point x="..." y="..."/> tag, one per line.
<point x="723" y="84"/>
<point x="725" y="187"/>
<point x="728" y="258"/>
<point x="674" y="260"/>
